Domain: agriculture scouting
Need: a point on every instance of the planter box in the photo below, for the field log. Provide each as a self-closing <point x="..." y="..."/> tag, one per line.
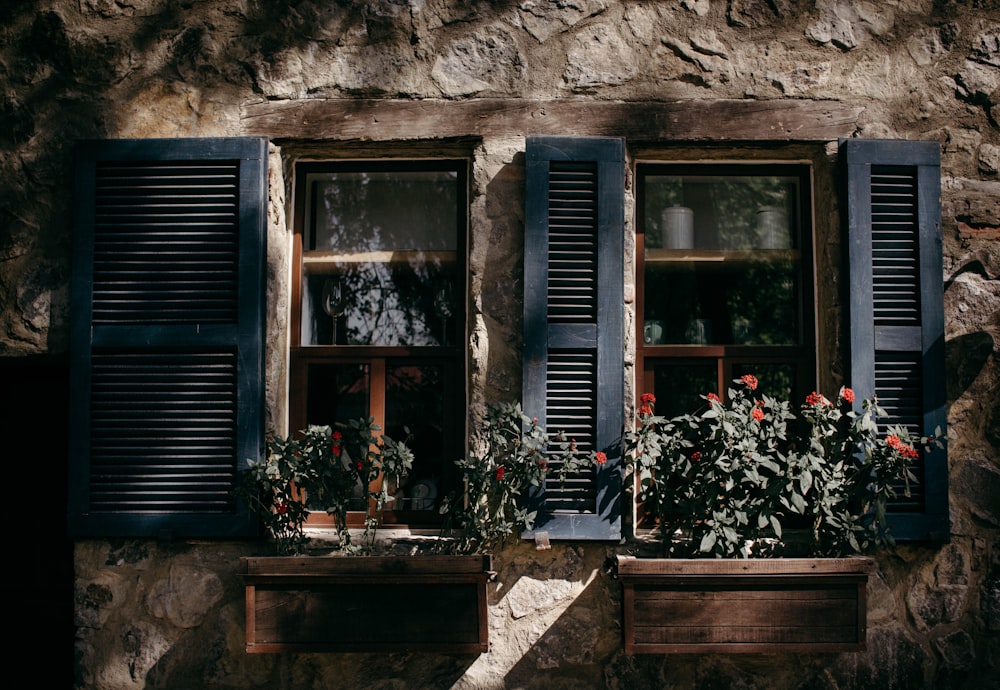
<point x="366" y="604"/>
<point x="765" y="606"/>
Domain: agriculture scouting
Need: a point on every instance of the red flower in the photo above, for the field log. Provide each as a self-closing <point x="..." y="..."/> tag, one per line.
<point x="572" y="444"/>
<point x="750" y="380"/>
<point x="696" y="456"/>
<point x="712" y="397"/>
<point x="904" y="449"/>
<point x="336" y="450"/>
<point x="815" y="398"/>
<point x="360" y="465"/>
<point x="647" y="398"/>
<point x="500" y="473"/>
<point x="600" y="458"/>
<point x="757" y="414"/>
<point x="645" y="411"/>
<point x="337" y="436"/>
<point x="847" y="395"/>
<point x="281" y="507"/>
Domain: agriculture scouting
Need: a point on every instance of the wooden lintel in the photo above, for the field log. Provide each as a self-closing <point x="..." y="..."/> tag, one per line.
<point x="410" y="120"/>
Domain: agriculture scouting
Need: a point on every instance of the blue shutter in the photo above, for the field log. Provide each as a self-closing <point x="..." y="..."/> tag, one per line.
<point x="167" y="304"/>
<point x="574" y="320"/>
<point x="896" y="306"/>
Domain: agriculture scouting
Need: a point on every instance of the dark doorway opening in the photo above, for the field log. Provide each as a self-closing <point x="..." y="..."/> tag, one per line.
<point x="34" y="419"/>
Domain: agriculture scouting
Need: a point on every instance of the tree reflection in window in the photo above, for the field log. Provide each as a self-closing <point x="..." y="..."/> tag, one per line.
<point x="390" y="239"/>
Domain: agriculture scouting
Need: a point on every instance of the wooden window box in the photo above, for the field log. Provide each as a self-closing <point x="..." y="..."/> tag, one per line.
<point x="367" y="604"/>
<point x="673" y="606"/>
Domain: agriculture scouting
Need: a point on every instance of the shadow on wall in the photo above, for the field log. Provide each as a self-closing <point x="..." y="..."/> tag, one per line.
<point x="965" y="357"/>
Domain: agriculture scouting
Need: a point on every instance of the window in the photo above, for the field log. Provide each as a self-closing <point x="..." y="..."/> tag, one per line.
<point x="724" y="284"/>
<point x="379" y="313"/>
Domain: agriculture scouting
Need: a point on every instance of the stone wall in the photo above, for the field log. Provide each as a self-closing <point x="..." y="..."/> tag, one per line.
<point x="323" y="78"/>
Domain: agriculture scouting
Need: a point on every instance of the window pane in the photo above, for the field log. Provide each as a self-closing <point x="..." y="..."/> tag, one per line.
<point x="416" y="407"/>
<point x="775" y="380"/>
<point x="338" y="393"/>
<point x="677" y="386"/>
<point x="751" y="302"/>
<point x="721" y="211"/>
<point x="382" y="210"/>
<point x="382" y="304"/>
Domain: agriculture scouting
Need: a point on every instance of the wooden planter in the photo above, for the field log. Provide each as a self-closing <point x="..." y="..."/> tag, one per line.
<point x="367" y="604"/>
<point x="765" y="606"/>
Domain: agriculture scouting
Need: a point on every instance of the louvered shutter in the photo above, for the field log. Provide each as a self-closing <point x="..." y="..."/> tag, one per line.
<point x="573" y="322"/>
<point x="896" y="307"/>
<point x="167" y="335"/>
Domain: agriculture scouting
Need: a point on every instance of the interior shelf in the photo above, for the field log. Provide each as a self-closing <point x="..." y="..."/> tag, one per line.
<point x="668" y="256"/>
<point x="317" y="261"/>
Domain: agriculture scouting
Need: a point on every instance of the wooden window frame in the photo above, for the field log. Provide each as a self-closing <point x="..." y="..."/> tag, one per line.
<point x="377" y="357"/>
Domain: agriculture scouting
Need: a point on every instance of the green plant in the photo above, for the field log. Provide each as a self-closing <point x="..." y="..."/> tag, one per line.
<point x="325" y="469"/>
<point x="512" y="457"/>
<point x="727" y="481"/>
<point x="354" y="468"/>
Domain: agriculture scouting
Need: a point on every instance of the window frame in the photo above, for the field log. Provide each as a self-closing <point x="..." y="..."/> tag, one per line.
<point x="377" y="356"/>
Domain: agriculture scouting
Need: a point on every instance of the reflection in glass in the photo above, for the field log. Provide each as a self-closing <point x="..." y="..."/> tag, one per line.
<point x="333" y="303"/>
<point x="390" y="237"/>
<point x="382" y="304"/>
<point x="383" y="210"/>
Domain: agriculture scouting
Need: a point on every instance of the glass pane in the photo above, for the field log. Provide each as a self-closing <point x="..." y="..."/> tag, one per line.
<point x="720" y="261"/>
<point x="382" y="210"/>
<point x="338" y="393"/>
<point x="775" y="380"/>
<point x="415" y="407"/>
<point x="749" y="303"/>
<point x="397" y="304"/>
<point x="677" y="386"/>
<point x="720" y="211"/>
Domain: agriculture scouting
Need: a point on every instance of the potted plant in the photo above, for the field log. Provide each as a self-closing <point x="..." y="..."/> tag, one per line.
<point x="436" y="600"/>
<point x="723" y="485"/>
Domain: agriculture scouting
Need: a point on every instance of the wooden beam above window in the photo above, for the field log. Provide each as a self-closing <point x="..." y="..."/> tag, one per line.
<point x="693" y="120"/>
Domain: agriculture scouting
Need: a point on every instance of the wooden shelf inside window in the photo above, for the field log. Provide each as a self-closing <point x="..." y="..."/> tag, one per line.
<point x="669" y="256"/>
<point x="316" y="262"/>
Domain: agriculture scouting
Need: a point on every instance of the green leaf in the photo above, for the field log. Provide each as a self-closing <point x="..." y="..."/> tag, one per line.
<point x="707" y="542"/>
<point x="806" y="481"/>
